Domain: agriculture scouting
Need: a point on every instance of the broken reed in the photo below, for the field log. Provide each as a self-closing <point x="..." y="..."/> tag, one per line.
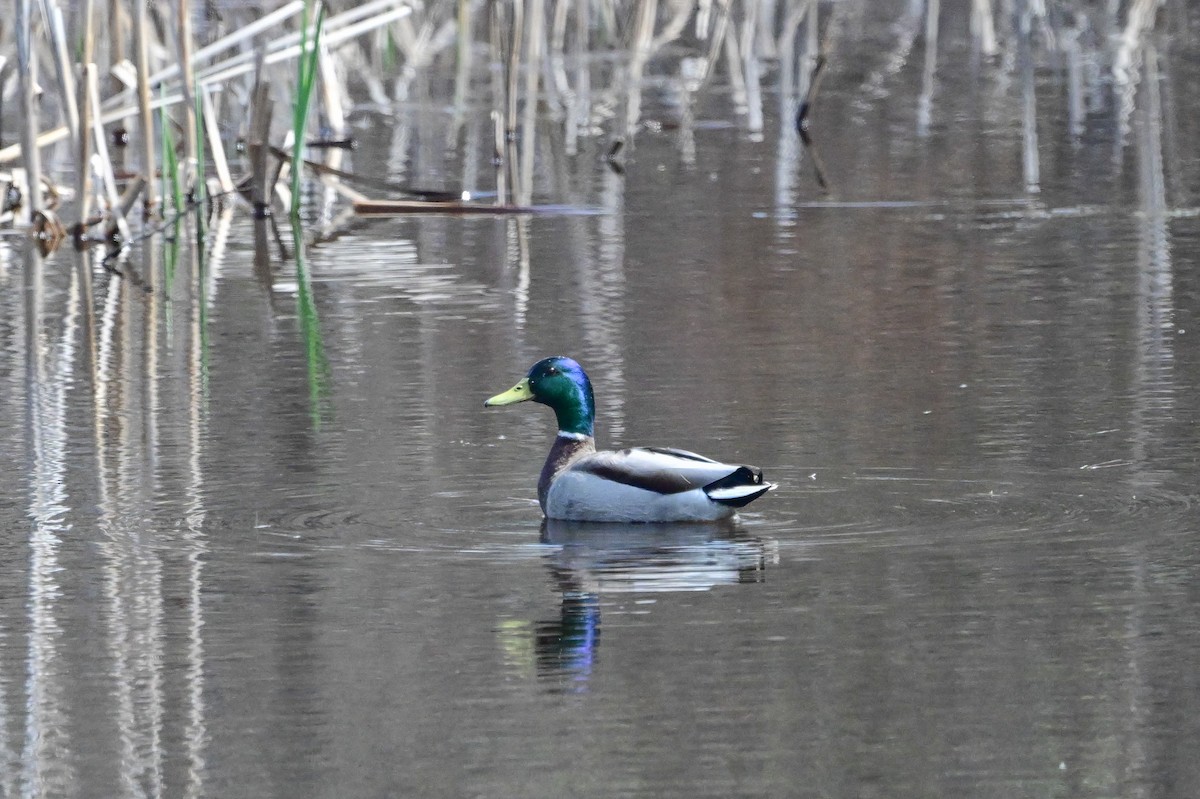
<point x="171" y="157"/>
<point x="521" y="42"/>
<point x="554" y="56"/>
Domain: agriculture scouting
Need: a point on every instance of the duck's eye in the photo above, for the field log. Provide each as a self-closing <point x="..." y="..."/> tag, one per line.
<point x="552" y="371"/>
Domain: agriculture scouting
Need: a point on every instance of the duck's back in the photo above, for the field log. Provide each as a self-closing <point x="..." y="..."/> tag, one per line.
<point x="649" y="484"/>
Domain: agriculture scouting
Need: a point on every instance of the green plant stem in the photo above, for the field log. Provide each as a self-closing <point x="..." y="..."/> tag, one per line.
<point x="306" y="73"/>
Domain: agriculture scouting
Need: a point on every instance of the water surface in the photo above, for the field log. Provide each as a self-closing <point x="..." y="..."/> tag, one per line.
<point x="263" y="548"/>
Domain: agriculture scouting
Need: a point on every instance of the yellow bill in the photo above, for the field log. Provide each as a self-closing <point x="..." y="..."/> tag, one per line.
<point x="518" y="393"/>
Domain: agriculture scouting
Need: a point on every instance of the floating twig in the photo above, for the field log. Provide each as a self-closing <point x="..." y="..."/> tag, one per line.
<point x="814" y="84"/>
<point x="613" y="157"/>
<point x="430" y="195"/>
<point x="391" y="207"/>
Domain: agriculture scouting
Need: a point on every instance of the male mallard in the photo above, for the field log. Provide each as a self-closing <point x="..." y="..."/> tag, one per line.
<point x="644" y="484"/>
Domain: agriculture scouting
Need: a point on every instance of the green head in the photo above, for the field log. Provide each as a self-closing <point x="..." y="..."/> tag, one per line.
<point x="560" y="383"/>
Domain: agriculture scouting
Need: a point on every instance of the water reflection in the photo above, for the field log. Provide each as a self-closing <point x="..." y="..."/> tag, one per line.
<point x="641" y="558"/>
<point x="1153" y="368"/>
<point x="598" y="565"/>
<point x="112" y="623"/>
<point x="49" y="359"/>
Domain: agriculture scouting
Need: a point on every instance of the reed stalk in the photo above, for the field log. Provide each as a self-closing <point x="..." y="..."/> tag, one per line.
<point x="172" y="180"/>
<point x="63" y="69"/>
<point x="83" y="173"/>
<point x="462" y="72"/>
<point x="128" y="197"/>
<point x="1076" y="108"/>
<point x="209" y="117"/>
<point x="583" y="75"/>
<point x="737" y="78"/>
<point x="27" y="77"/>
<point x="642" y="40"/>
<point x="496" y="28"/>
<point x="83" y="184"/>
<point x="117" y="46"/>
<point x="101" y="163"/>
<point x="750" y="68"/>
<point x="166" y="172"/>
<point x="680" y="14"/>
<point x="512" y="76"/>
<point x="716" y="41"/>
<point x="49" y="137"/>
<point x="1029" y="135"/>
<point x="556" y="80"/>
<point x="811" y="66"/>
<point x="199" y="191"/>
<point x="332" y="99"/>
<point x="538" y="57"/>
<point x="243" y="34"/>
<point x="188" y="85"/>
<point x="142" y="52"/>
<point x="280" y="50"/>
<point x="929" y="73"/>
<point x="114" y="110"/>
<point x="789" y="66"/>
<point x="533" y="61"/>
<point x="982" y="27"/>
<point x="257" y="141"/>
<point x="606" y="14"/>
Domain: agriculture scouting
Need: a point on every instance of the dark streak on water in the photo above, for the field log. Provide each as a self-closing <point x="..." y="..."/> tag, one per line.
<point x="978" y="577"/>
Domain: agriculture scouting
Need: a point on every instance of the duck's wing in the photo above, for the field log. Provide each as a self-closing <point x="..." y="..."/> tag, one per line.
<point x="671" y="471"/>
<point x="675" y="453"/>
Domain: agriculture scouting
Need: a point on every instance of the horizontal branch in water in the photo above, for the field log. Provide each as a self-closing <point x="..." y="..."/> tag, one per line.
<point x="386" y="207"/>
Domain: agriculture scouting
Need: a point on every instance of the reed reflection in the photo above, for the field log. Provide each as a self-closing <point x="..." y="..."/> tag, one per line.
<point x="49" y="360"/>
<point x="152" y="345"/>
<point x="1155" y="356"/>
<point x="110" y="641"/>
<point x="597" y="566"/>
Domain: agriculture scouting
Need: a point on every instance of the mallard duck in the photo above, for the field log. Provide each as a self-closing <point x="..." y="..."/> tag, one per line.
<point x="643" y="484"/>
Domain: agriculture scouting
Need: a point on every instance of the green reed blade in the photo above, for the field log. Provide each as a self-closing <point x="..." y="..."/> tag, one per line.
<point x="306" y="73"/>
<point x="200" y="189"/>
<point x="310" y="334"/>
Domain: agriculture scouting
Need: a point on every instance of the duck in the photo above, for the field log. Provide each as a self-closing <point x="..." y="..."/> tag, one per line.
<point x="640" y="484"/>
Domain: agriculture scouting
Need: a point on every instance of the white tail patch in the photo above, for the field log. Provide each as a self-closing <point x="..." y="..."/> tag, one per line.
<point x="737" y="492"/>
<point x="737" y="496"/>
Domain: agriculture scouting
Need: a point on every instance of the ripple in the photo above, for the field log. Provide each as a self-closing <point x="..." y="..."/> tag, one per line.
<point x="403" y="276"/>
<point x="902" y="507"/>
<point x="315" y="519"/>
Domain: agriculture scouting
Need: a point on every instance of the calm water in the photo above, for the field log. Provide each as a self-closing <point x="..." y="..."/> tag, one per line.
<point x="251" y="553"/>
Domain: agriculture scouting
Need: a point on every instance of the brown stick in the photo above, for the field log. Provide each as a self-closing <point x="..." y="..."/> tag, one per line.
<point x="386" y="207"/>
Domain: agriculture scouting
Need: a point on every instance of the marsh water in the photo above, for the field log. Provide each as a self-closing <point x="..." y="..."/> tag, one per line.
<point x="261" y="546"/>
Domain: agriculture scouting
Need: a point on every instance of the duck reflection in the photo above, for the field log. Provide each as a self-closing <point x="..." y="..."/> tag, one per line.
<point x="590" y="563"/>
